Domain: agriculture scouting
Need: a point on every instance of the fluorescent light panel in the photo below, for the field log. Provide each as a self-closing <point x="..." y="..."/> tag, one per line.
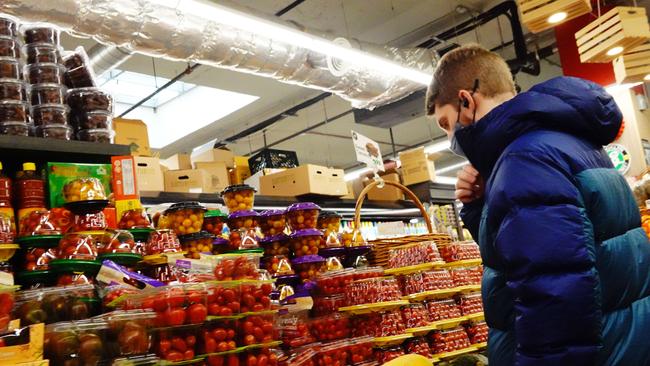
<point x="451" y="167"/>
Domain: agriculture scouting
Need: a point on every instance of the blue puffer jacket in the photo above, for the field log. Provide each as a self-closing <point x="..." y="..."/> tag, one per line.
<point x="567" y="266"/>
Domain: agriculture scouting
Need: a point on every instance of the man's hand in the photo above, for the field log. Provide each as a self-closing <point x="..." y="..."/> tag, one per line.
<point x="470" y="185"/>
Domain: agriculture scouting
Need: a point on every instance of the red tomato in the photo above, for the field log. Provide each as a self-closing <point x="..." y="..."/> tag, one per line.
<point x="197" y="313"/>
<point x="175" y="316"/>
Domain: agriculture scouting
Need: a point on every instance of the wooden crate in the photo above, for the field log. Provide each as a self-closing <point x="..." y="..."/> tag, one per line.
<point x="633" y="66"/>
<point x="622" y="26"/>
<point x="535" y="13"/>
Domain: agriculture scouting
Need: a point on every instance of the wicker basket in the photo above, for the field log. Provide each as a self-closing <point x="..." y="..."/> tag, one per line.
<point x="379" y="254"/>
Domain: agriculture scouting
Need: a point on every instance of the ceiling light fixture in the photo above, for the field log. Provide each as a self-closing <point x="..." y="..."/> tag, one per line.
<point x="280" y="32"/>
<point x="633" y="66"/>
<point x="451" y="167"/>
<point x="614" y="51"/>
<point x="437" y="147"/>
<point x="647" y="77"/>
<point x="557" y="17"/>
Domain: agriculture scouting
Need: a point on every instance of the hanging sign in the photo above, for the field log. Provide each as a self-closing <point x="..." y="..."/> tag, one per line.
<point x="619" y="156"/>
<point x="367" y="152"/>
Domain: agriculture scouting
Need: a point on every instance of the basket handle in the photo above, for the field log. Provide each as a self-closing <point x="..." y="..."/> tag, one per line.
<point x="407" y="192"/>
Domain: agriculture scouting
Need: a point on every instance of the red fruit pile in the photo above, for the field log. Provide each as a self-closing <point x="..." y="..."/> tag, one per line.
<point x="372" y="290"/>
<point x="223" y="299"/>
<point x="259" y="357"/>
<point x="443" y="309"/>
<point x="334" y="282"/>
<point x="413" y="254"/>
<point x="237" y="267"/>
<point x="218" y="336"/>
<point x="324" y="305"/>
<point x="37" y="259"/>
<point x="460" y="251"/>
<point x="294" y="330"/>
<point x="134" y="219"/>
<point x="478" y="332"/>
<point x="256" y="297"/>
<point x="176" y="344"/>
<point x="174" y="305"/>
<point x="330" y="327"/>
<point x="360" y="350"/>
<point x="437" y="279"/>
<point x="383" y="324"/>
<point x="383" y="355"/>
<point x="333" y="354"/>
<point x="471" y="303"/>
<point x="256" y="329"/>
<point x="418" y="346"/>
<point x="415" y="315"/>
<point x="77" y="246"/>
<point x="466" y="275"/>
<point x="449" y="340"/>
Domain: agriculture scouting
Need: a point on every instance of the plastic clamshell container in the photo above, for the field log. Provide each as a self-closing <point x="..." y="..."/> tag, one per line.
<point x="8" y="26"/>
<point x="100" y="135"/>
<point x="218" y="336"/>
<point x="243" y="219"/>
<point x="224" y="298"/>
<point x="42" y="222"/>
<point x="255" y="296"/>
<point x="77" y="246"/>
<point x="9" y="47"/>
<point x="213" y="221"/>
<point x="330" y="327"/>
<point x="44" y="72"/>
<point x="38" y="259"/>
<point x="176" y="344"/>
<point x="334" y="282"/>
<point x="277" y="245"/>
<point x="175" y="304"/>
<point x="361" y="350"/>
<point x="305" y="242"/>
<point x="415" y="315"/>
<point x="14" y="128"/>
<point x="92" y="120"/>
<point x="89" y="99"/>
<point x="333" y="353"/>
<point x="42" y="52"/>
<point x="13" y="111"/>
<point x="58" y="132"/>
<point x="9" y="68"/>
<point x="50" y="114"/>
<point x="11" y="89"/>
<point x="239" y="197"/>
<point x="303" y="215"/>
<point x="236" y="266"/>
<point x="117" y="241"/>
<point x="195" y="244"/>
<point x="243" y="239"/>
<point x="257" y="329"/>
<point x="186" y="217"/>
<point x="471" y="303"/>
<point x="41" y="33"/>
<point x="129" y="332"/>
<point x="82" y="342"/>
<point x="161" y="242"/>
<point x="134" y="219"/>
<point x="273" y="222"/>
<point x="41" y="94"/>
<point x="53" y="304"/>
<point x="308" y="267"/>
<point x="442" y="309"/>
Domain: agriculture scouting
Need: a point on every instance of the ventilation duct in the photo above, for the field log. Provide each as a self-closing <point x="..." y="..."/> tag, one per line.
<point x="185" y="30"/>
<point x="104" y="58"/>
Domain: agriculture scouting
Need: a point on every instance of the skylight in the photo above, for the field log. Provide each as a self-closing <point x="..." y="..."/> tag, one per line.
<point x="175" y="112"/>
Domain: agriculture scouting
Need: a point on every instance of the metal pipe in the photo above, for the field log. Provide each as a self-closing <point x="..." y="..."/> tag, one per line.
<point x="288" y="8"/>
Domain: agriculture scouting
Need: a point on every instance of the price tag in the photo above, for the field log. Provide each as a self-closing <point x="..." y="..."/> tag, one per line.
<point x="368" y="152"/>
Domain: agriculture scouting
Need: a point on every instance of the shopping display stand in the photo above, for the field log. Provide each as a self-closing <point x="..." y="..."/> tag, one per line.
<point x="379" y="256"/>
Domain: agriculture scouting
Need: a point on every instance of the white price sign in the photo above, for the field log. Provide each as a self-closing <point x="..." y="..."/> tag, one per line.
<point x="368" y="152"/>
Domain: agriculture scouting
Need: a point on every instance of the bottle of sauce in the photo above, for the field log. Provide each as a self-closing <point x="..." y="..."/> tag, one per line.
<point x="6" y="198"/>
<point x="29" y="192"/>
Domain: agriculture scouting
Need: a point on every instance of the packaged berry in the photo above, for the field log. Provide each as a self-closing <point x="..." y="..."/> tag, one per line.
<point x="213" y="222"/>
<point x="460" y="251"/>
<point x="464" y="276"/>
<point x="303" y="215"/>
<point x="361" y="350"/>
<point x="176" y="344"/>
<point x="255" y="296"/>
<point x="418" y="346"/>
<point x="273" y="222"/>
<point x="186" y="217"/>
<point x="442" y="309"/>
<point x="330" y="327"/>
<point x="324" y="305"/>
<point x="333" y="354"/>
<point x="243" y="219"/>
<point x="386" y="354"/>
<point x="134" y="219"/>
<point x="162" y="241"/>
<point x="174" y="305"/>
<point x="477" y="332"/>
<point x="437" y="279"/>
<point x="378" y="324"/>
<point x="305" y="242"/>
<point x="367" y="272"/>
<point x="415" y="315"/>
<point x="334" y="282"/>
<point x="294" y="329"/>
<point x="77" y="246"/>
<point x="449" y="340"/>
<point x="239" y="197"/>
<point x="308" y="267"/>
<point x="471" y="303"/>
<point x="218" y="336"/>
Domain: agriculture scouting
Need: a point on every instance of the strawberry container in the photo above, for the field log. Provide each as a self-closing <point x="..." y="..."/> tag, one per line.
<point x="330" y="327"/>
<point x="176" y="344"/>
<point x="442" y="309"/>
<point x="449" y="340"/>
<point x="239" y="197"/>
<point x="76" y="343"/>
<point x="415" y="315"/>
<point x="418" y="346"/>
<point x="272" y="222"/>
<point x="303" y="215"/>
<point x="129" y="332"/>
<point x="294" y="329"/>
<point x="218" y="336"/>
<point x="236" y="266"/>
<point x="305" y="242"/>
<point x="333" y="354"/>
<point x="471" y="303"/>
<point x="381" y="324"/>
<point x="257" y="329"/>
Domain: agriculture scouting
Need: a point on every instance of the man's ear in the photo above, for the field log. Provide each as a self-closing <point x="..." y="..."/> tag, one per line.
<point x="467" y="104"/>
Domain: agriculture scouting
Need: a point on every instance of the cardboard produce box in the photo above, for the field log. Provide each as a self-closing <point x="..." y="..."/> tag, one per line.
<point x="417" y="167"/>
<point x="306" y="179"/>
<point x="134" y="133"/>
<point x="216" y="155"/>
<point x="219" y="177"/>
<point x="254" y="180"/>
<point x="388" y="193"/>
<point x="148" y="173"/>
<point x="188" y="181"/>
<point x="241" y="171"/>
<point x="178" y="162"/>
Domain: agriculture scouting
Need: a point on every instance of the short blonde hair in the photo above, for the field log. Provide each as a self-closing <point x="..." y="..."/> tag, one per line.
<point x="460" y="68"/>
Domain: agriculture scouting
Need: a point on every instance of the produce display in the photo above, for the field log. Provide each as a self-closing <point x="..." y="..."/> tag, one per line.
<point x="302" y="215"/>
<point x="186" y="217"/>
<point x="239" y="197"/>
<point x="460" y="251"/>
<point x="273" y="223"/>
<point x="305" y="242"/>
<point x="413" y="254"/>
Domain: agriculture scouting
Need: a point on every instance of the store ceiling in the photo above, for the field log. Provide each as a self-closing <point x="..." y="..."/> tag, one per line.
<point x="395" y="22"/>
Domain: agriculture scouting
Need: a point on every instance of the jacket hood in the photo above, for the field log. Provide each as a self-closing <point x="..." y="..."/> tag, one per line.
<point x="572" y="105"/>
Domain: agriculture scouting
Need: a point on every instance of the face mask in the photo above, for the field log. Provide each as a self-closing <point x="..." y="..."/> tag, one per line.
<point x="454" y="145"/>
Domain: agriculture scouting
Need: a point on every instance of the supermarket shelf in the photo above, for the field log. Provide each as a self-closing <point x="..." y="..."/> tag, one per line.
<point x="421" y="330"/>
<point x="371" y="209"/>
<point x="370" y="308"/>
<point x="449" y="323"/>
<point x="409" y="269"/>
<point x="392" y="340"/>
<point x="456" y="353"/>
<point x="476" y="316"/>
<point x="481" y="345"/>
<point x="41" y="150"/>
<point x="468" y="288"/>
<point x="463" y="263"/>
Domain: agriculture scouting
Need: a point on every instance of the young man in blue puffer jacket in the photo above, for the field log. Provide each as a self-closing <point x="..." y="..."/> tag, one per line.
<point x="567" y="265"/>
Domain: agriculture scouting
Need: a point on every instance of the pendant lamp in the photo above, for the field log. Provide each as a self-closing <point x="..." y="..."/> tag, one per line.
<point x="539" y="15"/>
<point x="633" y="66"/>
<point x="614" y="33"/>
